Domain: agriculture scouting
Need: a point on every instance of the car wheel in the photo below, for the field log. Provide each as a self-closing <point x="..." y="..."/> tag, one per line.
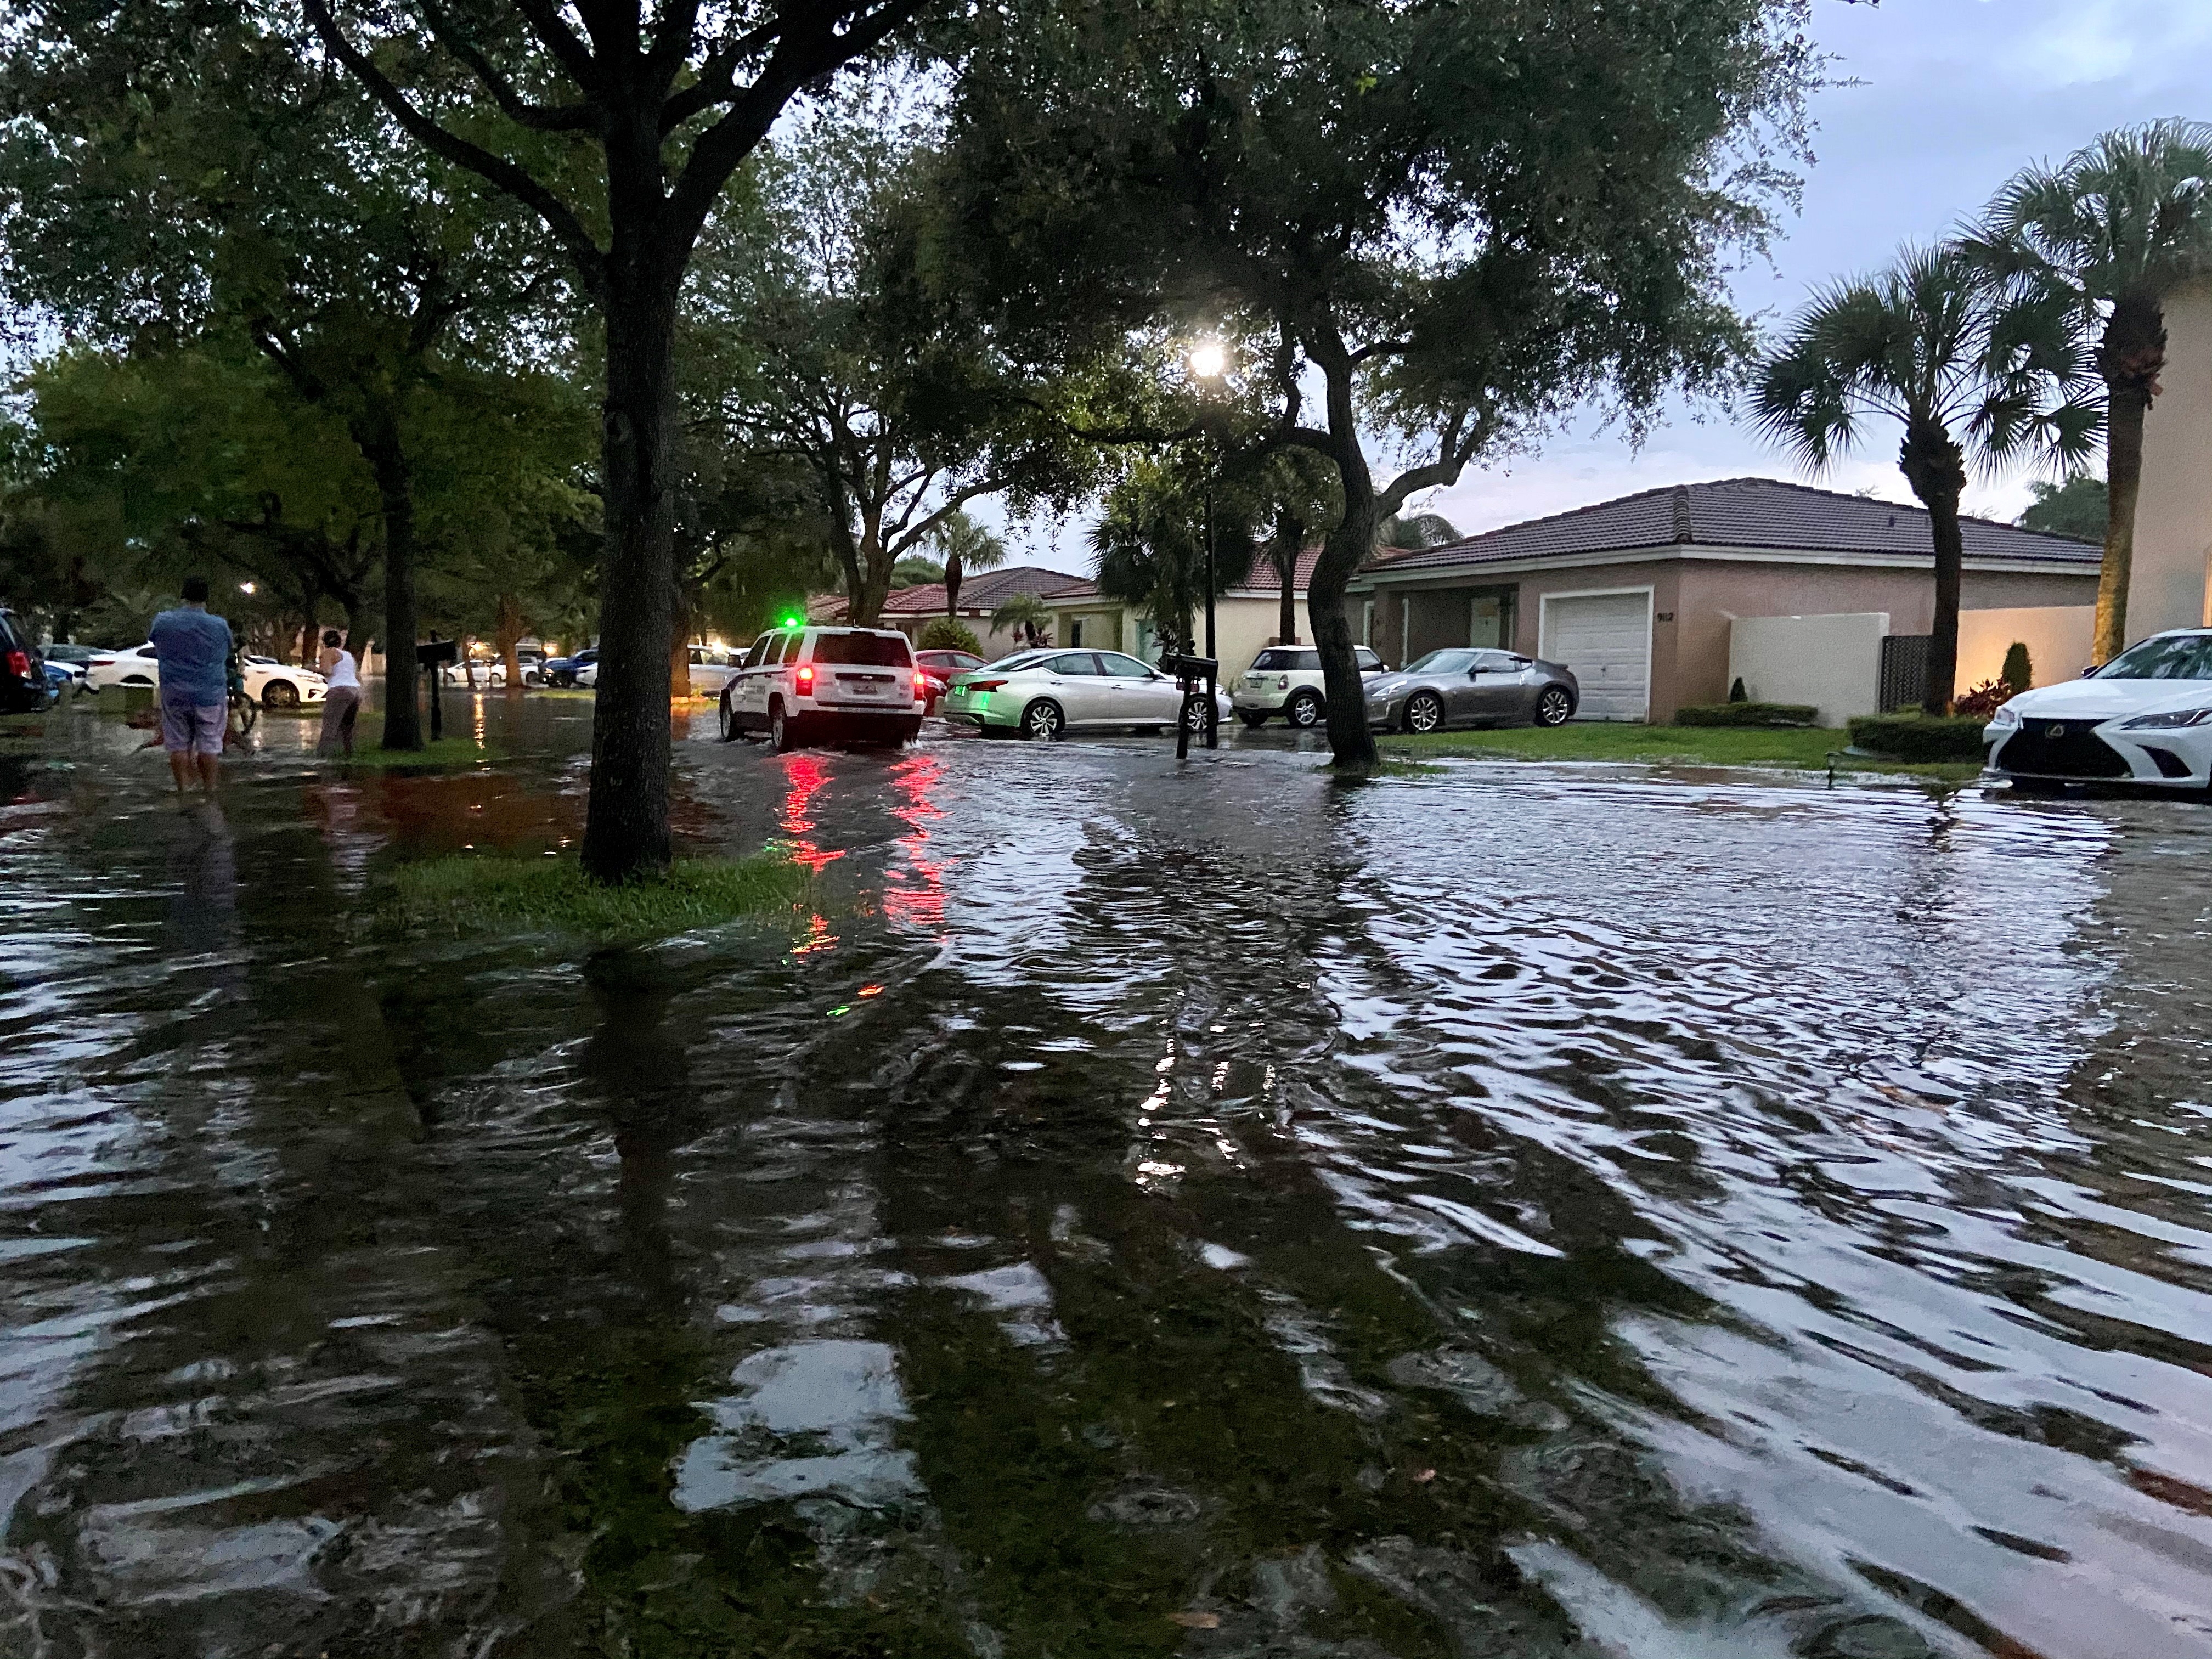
<point x="1305" y="710"/>
<point x="1193" y="714"/>
<point x="726" y="721"/>
<point x="1425" y="712"/>
<point x="782" y="730"/>
<point x="135" y="679"/>
<point x="1252" y="722"/>
<point x="1555" y="706"/>
<point x="280" y="693"/>
<point x="1042" y="721"/>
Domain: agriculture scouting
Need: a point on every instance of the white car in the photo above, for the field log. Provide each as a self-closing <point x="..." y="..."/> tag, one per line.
<point x="488" y="672"/>
<point x="1286" y="680"/>
<point x="1041" y="694"/>
<point x="799" y="684"/>
<point x="712" y="668"/>
<point x="2145" y="718"/>
<point x="588" y="676"/>
<point x="269" y="683"/>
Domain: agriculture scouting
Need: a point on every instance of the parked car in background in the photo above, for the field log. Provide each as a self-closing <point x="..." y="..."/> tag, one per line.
<point x="2143" y="718"/>
<point x="938" y="668"/>
<point x="1041" y="694"/>
<point x="801" y="685"/>
<point x="586" y="677"/>
<point x="564" y="671"/>
<point x="529" y="663"/>
<point x="713" y="667"/>
<point x="271" y="684"/>
<point x="1286" y="680"/>
<point x="23" y="684"/>
<point x="67" y="678"/>
<point x="1468" y="685"/>
<point x="76" y="656"/>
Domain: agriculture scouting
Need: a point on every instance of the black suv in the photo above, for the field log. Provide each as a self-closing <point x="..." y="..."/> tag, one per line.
<point x="22" y="667"/>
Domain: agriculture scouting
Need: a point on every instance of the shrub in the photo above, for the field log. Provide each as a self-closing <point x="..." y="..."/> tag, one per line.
<point x="1736" y="693"/>
<point x="1982" y="700"/>
<point x="2018" y="672"/>
<point x="1738" y="712"/>
<point x="1918" y="737"/>
<point x="946" y="635"/>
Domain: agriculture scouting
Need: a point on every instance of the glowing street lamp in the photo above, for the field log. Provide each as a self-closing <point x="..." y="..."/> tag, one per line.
<point x="246" y="587"/>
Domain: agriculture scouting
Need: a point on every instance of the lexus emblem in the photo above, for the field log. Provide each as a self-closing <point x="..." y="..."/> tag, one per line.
<point x="2057" y="731"/>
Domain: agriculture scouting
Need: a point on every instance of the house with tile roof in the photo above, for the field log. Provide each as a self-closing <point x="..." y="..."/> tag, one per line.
<point x="911" y="610"/>
<point x="1246" y="618"/>
<point x="1638" y="595"/>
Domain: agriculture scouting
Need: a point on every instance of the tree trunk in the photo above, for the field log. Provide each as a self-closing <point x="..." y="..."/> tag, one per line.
<point x="679" y="645"/>
<point x="509" y="634"/>
<point x="2130" y="358"/>
<point x="402" y="719"/>
<point x="1935" y="468"/>
<point x="626" y="827"/>
<point x="358" y="631"/>
<point x="955" y="574"/>
<point x="1352" y="745"/>
<point x="308" y="606"/>
<point x="874" y="569"/>
<point x="1286" y="570"/>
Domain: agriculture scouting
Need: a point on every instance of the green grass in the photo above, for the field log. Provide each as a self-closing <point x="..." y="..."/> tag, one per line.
<point x="1802" y="748"/>
<point x="492" y="894"/>
<point x="447" y="754"/>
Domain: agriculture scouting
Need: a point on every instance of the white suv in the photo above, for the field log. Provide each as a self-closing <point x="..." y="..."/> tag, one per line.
<point x="801" y="685"/>
<point x="1286" y="680"/>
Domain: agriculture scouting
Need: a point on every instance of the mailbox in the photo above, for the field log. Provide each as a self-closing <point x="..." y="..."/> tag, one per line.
<point x="433" y="652"/>
<point x="1198" y="676"/>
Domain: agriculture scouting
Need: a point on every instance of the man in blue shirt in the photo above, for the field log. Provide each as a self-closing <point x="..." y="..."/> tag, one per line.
<point x="193" y="649"/>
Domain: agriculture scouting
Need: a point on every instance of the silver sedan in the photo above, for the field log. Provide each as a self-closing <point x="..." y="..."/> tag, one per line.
<point x="1469" y="686"/>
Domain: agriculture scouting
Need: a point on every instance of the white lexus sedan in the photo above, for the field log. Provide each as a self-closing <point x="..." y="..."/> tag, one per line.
<point x="2143" y="718"/>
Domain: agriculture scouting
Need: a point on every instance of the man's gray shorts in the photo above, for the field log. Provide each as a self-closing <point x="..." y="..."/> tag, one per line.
<point x="192" y="728"/>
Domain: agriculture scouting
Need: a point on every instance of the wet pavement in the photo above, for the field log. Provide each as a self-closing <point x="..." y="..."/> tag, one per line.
<point x="1216" y="1210"/>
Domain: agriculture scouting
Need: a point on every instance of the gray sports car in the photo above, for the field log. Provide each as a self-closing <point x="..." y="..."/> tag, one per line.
<point x="1470" y="686"/>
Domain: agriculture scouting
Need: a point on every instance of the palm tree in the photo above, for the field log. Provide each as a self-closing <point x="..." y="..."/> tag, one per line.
<point x="2115" y="230"/>
<point x="967" y="545"/>
<point x="1150" y="544"/>
<point x="1023" y="614"/>
<point x="1933" y="344"/>
<point x="1416" y="529"/>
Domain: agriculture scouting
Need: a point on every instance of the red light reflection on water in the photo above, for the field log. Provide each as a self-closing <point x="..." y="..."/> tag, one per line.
<point x="913" y="889"/>
<point x="804" y="774"/>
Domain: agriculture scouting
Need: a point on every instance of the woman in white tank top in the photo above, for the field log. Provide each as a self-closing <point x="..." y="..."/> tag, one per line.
<point x="342" y="703"/>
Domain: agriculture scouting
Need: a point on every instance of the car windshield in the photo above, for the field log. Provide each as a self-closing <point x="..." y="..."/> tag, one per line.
<point x="1444" y="662"/>
<point x="2177" y="657"/>
<point x="1282" y="658"/>
<point x="864" y="650"/>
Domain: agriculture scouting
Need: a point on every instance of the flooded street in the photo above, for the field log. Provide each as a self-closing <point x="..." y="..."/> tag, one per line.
<point x="1219" y="1211"/>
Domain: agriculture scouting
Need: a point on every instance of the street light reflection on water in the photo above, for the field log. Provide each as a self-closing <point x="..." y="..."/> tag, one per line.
<point x="1234" y="1213"/>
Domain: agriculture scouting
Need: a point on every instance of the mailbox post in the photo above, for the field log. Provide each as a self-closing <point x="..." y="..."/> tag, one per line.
<point x="1191" y="672"/>
<point x="431" y="656"/>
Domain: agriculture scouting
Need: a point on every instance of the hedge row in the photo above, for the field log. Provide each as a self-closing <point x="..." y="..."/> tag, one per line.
<point x="1747" y="713"/>
<point x="1918" y="737"/>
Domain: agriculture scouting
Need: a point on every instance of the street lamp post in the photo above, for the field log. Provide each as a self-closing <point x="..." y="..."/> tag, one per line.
<point x="1208" y="361"/>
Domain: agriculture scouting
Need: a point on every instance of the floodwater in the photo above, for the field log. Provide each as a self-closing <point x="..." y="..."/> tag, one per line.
<point x="1214" y="1210"/>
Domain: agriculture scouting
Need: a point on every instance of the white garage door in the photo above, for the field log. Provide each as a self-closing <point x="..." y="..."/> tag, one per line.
<point x="1605" y="638"/>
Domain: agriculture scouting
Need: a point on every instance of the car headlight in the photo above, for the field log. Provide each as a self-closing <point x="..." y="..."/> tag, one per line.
<point x="2169" y="721"/>
<point x="2005" y="719"/>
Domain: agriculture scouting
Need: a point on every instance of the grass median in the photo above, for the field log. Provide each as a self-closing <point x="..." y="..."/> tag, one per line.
<point x="1796" y="748"/>
<point x="491" y="893"/>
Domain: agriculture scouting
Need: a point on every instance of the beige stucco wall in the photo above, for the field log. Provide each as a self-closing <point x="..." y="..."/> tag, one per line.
<point x="1694" y="600"/>
<point x="2058" y="638"/>
<point x="2173" y="516"/>
<point x="1243" y="627"/>
<point x="1833" y="662"/>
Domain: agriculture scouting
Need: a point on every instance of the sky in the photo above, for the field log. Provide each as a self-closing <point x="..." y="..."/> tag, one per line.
<point x="1935" y="103"/>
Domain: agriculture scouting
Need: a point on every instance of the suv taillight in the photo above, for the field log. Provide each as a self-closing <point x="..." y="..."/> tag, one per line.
<point x="19" y="663"/>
